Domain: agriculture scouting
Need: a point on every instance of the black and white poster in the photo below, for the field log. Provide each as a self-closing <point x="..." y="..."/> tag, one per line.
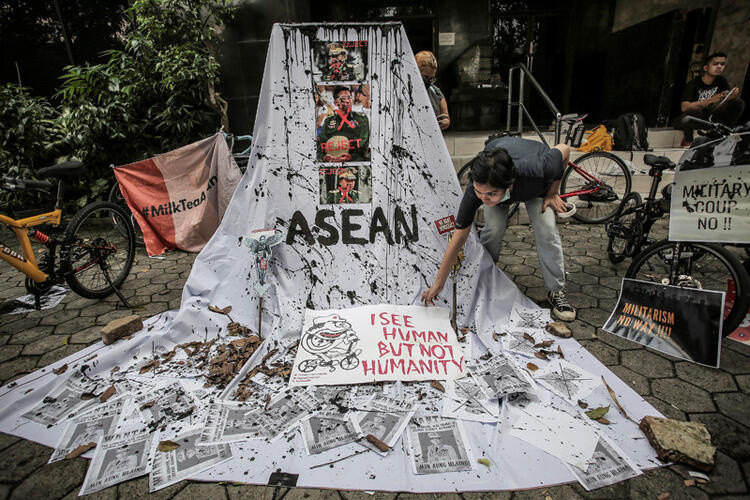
<point x="679" y="321"/>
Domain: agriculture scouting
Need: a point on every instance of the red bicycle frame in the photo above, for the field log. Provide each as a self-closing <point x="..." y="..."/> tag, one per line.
<point x="588" y="177"/>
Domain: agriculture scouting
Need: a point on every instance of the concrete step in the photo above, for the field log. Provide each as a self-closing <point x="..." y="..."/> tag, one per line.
<point x="463" y="146"/>
<point x="469" y="143"/>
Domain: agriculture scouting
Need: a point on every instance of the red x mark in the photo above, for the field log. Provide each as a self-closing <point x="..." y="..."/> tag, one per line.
<point x="345" y="196"/>
<point x="344" y="119"/>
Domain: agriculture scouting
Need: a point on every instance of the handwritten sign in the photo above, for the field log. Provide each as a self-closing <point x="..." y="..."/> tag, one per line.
<point x="711" y="204"/>
<point x="374" y="343"/>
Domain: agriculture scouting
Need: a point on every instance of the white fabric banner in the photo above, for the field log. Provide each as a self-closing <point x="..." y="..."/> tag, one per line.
<point x="711" y="204"/>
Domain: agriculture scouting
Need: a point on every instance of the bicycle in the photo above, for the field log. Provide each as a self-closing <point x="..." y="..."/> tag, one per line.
<point x="242" y="158"/>
<point x="596" y="183"/>
<point x="115" y="196"/>
<point x="707" y="266"/>
<point x="628" y="232"/>
<point x="92" y="256"/>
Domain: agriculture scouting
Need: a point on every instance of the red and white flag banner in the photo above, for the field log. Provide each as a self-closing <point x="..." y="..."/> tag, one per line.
<point x="178" y="198"/>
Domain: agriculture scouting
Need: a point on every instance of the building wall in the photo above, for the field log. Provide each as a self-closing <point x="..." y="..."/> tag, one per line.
<point x="732" y="35"/>
<point x="730" y="30"/>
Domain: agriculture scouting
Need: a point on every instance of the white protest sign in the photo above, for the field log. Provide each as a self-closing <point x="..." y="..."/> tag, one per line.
<point x="711" y="204"/>
<point x="373" y="343"/>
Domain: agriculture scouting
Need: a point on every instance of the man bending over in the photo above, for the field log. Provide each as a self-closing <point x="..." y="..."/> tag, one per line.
<point x="510" y="170"/>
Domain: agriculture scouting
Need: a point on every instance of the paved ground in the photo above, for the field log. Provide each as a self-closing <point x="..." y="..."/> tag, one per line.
<point x="682" y="390"/>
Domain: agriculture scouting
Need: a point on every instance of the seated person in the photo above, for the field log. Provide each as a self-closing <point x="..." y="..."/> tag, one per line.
<point x="709" y="97"/>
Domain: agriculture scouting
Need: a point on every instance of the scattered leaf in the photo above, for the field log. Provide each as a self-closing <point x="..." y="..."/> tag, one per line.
<point x="148" y="405"/>
<point x="532" y="367"/>
<point x="88" y="395"/>
<point x="60" y="370"/>
<point x="80" y="450"/>
<point x="115" y="369"/>
<point x="148" y="366"/>
<point x="529" y="338"/>
<point x="545" y="344"/>
<point x="166" y="446"/>
<point x="464" y="330"/>
<point x="484" y="461"/>
<point x="65" y="340"/>
<point x="89" y="359"/>
<point x="107" y="394"/>
<point x="597" y="413"/>
<point x="377" y="442"/>
<point x="495" y="337"/>
<point x="559" y="351"/>
<point x="603" y="421"/>
<point x="614" y="398"/>
<point x="225" y="310"/>
<point x="541" y="355"/>
<point x="503" y="334"/>
<point x="689" y="482"/>
<point x="663" y="496"/>
<point x="437" y="385"/>
<point x="583" y="404"/>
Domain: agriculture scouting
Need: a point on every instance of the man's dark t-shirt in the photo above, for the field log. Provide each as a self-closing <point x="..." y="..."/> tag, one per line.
<point x="696" y="90"/>
<point x="537" y="167"/>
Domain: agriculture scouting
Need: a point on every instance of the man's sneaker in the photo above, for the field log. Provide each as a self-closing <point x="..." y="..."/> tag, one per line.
<point x="561" y="308"/>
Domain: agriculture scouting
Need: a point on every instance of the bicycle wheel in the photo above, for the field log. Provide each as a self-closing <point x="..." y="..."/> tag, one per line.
<point x="91" y="244"/>
<point x="115" y="196"/>
<point x="463" y="179"/>
<point x="604" y="203"/>
<point x="625" y="229"/>
<point x="698" y="265"/>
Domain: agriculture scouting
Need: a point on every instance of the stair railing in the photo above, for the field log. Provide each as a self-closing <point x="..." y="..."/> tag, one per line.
<point x="523" y="73"/>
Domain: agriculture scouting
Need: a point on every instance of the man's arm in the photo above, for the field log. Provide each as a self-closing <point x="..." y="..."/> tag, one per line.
<point x="552" y="198"/>
<point x="449" y="258"/>
<point x="444" y="119"/>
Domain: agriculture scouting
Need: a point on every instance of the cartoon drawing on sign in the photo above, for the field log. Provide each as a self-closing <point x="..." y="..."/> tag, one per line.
<point x="331" y="339"/>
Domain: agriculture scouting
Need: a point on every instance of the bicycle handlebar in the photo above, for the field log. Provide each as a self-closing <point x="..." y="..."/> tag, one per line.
<point x="18" y="183"/>
<point x="714" y="126"/>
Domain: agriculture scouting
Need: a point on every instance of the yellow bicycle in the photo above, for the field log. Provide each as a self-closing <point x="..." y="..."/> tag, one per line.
<point x="94" y="254"/>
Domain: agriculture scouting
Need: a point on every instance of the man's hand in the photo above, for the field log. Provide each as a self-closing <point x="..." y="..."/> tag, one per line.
<point x="555" y="202"/>
<point x="429" y="296"/>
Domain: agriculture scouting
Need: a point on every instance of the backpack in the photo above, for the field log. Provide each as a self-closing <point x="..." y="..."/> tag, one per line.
<point x="630" y="133"/>
<point x="597" y="139"/>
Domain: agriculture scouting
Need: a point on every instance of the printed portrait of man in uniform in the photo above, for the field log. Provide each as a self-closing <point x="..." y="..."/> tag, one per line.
<point x="439" y="446"/>
<point x="340" y="61"/>
<point x="343" y="133"/>
<point x="343" y="185"/>
<point x="380" y="425"/>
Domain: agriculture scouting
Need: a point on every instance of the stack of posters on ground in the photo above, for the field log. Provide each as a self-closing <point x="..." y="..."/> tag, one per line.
<point x="206" y="396"/>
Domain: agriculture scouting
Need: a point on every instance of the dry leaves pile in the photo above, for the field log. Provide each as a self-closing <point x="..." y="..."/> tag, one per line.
<point x="276" y="369"/>
<point x="230" y="359"/>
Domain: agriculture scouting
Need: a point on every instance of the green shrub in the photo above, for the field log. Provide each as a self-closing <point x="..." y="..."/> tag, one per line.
<point x="28" y="140"/>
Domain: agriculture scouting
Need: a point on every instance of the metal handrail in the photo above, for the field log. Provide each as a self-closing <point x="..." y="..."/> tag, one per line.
<point x="523" y="73"/>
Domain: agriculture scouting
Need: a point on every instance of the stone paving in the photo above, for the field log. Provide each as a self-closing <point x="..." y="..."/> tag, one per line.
<point x="718" y="398"/>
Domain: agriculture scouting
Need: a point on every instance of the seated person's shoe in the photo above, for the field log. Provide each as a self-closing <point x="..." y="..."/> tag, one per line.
<point x="561" y="308"/>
